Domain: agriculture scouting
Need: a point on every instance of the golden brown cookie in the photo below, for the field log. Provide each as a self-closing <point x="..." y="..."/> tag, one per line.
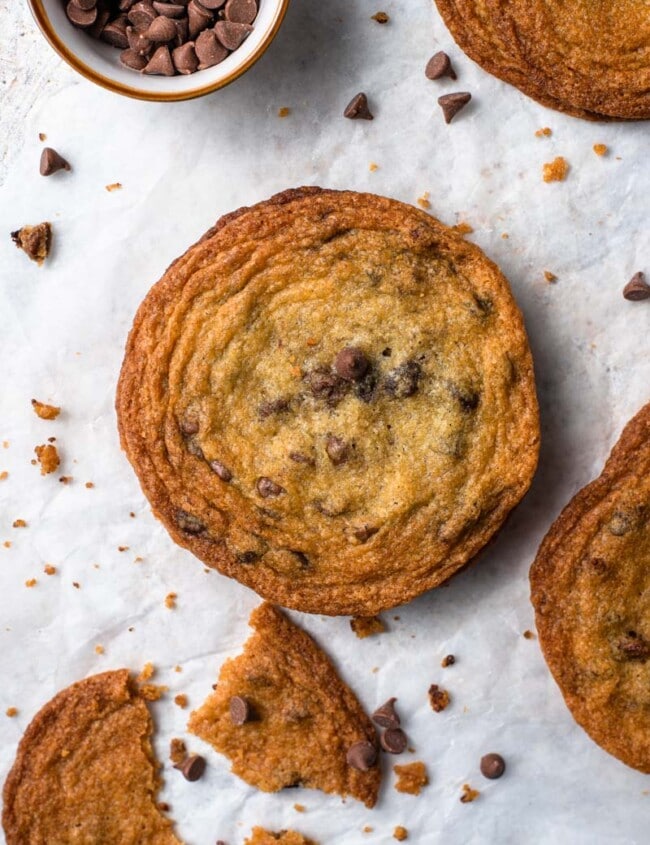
<point x="591" y="590"/>
<point x="259" y="836"/>
<point x="284" y="718"/>
<point x="85" y="772"/>
<point x="331" y="398"/>
<point x="584" y="58"/>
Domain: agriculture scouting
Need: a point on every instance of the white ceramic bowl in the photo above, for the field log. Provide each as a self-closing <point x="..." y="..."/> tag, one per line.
<point x="99" y="62"/>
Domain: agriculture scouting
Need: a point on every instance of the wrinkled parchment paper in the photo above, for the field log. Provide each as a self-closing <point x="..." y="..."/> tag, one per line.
<point x="62" y="333"/>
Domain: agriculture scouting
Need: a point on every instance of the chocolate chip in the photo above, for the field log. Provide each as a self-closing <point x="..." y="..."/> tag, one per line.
<point x="209" y="50"/>
<point x="160" y="64"/>
<point x="451" y="104"/>
<point x="268" y="488"/>
<point x="338" y="451"/>
<point x="364" y="389"/>
<point x="351" y="363"/>
<point x="271" y="407"/>
<point x="364" y="532"/>
<point x="198" y="17"/>
<point x="385" y="716"/>
<point x="393" y="740"/>
<point x="213" y="5"/>
<point x="103" y="16"/>
<point x="357" y="108"/>
<point x="439" y="65"/>
<point x="637" y="288"/>
<point x="492" y="766"/>
<point x="160" y="30"/>
<point x="170" y="10"/>
<point x="35" y="241"/>
<point x="193" y="767"/>
<point x="327" y="386"/>
<point x="141" y="15"/>
<point x="51" y="162"/>
<point x="362" y="756"/>
<point x="240" y="710"/>
<point x="232" y="34"/>
<point x="188" y="523"/>
<point x="132" y="59"/>
<point x="86" y="4"/>
<point x="221" y="470"/>
<point x="241" y="11"/>
<point x="449" y="660"/>
<point x="184" y="58"/>
<point x="301" y="458"/>
<point x="114" y="33"/>
<point x="137" y="42"/>
<point x="79" y="16"/>
<point x="403" y="381"/>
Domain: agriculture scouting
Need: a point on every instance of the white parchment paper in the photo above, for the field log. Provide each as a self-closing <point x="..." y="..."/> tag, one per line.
<point x="62" y="330"/>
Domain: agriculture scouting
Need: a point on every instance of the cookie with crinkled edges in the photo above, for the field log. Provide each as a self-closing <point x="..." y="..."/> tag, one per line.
<point x="586" y="61"/>
<point x="331" y="398"/>
<point x="85" y="771"/>
<point x="590" y="586"/>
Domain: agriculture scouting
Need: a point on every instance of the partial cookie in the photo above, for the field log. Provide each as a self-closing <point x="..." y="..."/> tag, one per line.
<point x="284" y="718"/>
<point x="259" y="836"/>
<point x="582" y="58"/>
<point x="590" y="585"/>
<point x="331" y="398"/>
<point x="85" y="771"/>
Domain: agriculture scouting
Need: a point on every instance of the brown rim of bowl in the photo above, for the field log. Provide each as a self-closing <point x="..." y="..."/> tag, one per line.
<point x="43" y="21"/>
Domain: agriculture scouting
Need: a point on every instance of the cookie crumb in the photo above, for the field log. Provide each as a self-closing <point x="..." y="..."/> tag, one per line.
<point x="178" y="668"/>
<point x="170" y="600"/>
<point x="400" y="833"/>
<point x="11" y="712"/>
<point x="65" y="479"/>
<point x="177" y="751"/>
<point x="122" y="548"/>
<point x="439" y="698"/>
<point x="600" y="149"/>
<point x="7" y="544"/>
<point x="31" y="582"/>
<point x="148" y="671"/>
<point x="463" y="228"/>
<point x="285" y="111"/>
<point x="42" y="136"/>
<point x="89" y="485"/>
<point x="152" y="692"/>
<point x="48" y="569"/>
<point x="299" y="808"/>
<point x="411" y="777"/>
<point x="556" y="170"/>
<point x="181" y="700"/>
<point x="138" y="559"/>
<point x="550" y="277"/>
<point x="546" y="132"/>
<point x="367" y="829"/>
<point x="449" y="660"/>
<point x="114" y="186"/>
<point x="76" y="585"/>
<point x="19" y="523"/>
<point x="423" y="201"/>
<point x="528" y="635"/>
<point x="45" y="412"/>
<point x="372" y="167"/>
<point x="469" y="794"/>
<point x="5" y="444"/>
<point x="35" y="241"/>
<point x="4" y="475"/>
<point x="380" y="17"/>
<point x="48" y="458"/>
<point x="99" y="649"/>
<point x="367" y="626"/>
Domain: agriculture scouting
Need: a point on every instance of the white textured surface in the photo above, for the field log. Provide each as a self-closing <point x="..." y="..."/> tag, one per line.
<point x="63" y="330"/>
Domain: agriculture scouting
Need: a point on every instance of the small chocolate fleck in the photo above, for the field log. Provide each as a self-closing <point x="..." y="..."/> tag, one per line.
<point x="271" y="407"/>
<point x="439" y="65"/>
<point x="267" y="488"/>
<point x="193" y="767"/>
<point x="492" y="766"/>
<point x="221" y="470"/>
<point x="362" y="756"/>
<point x="338" y="451"/>
<point x="301" y="458"/>
<point x="327" y="386"/>
<point x="386" y="716"/>
<point x="51" y="162"/>
<point x="451" y="104"/>
<point x="449" y="660"/>
<point x="357" y="108"/>
<point x="240" y="710"/>
<point x="393" y="740"/>
<point x="637" y="288"/>
<point x="403" y="381"/>
<point x="351" y="363"/>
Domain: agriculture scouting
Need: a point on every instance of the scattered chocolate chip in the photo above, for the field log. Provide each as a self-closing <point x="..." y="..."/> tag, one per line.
<point x="271" y="407"/>
<point x="35" y="241"/>
<point x="449" y="660"/>
<point x="439" y="65"/>
<point x="51" y="162"/>
<point x="193" y="767"/>
<point x="385" y="716"/>
<point x="403" y="381"/>
<point x="351" y="363"/>
<point x="301" y="458"/>
<point x="240" y="710"/>
<point x="492" y="766"/>
<point x="637" y="288"/>
<point x="393" y="740"/>
<point x="188" y="523"/>
<point x="362" y="756"/>
<point x="221" y="470"/>
<point x="209" y="50"/>
<point x="232" y="34"/>
<point x="451" y="104"/>
<point x="268" y="488"/>
<point x="338" y="451"/>
<point x="184" y="58"/>
<point x="160" y="64"/>
<point x="380" y="17"/>
<point x="357" y="108"/>
<point x="364" y="532"/>
<point x="241" y="11"/>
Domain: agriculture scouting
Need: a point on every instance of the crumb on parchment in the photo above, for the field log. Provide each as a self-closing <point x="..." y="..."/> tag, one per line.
<point x="181" y="700"/>
<point x="367" y="626"/>
<point x="147" y="673"/>
<point x="545" y="132"/>
<point x="600" y="149"/>
<point x="48" y="569"/>
<point x="411" y="777"/>
<point x="170" y="600"/>
<point x="468" y="795"/>
<point x="31" y="582"/>
<point x="48" y="457"/>
<point x="45" y="412"/>
<point x="438" y="698"/>
<point x="19" y="523"/>
<point x="423" y="201"/>
<point x="11" y="712"/>
<point x="114" y="186"/>
<point x="400" y="833"/>
<point x="285" y="111"/>
<point x="556" y="170"/>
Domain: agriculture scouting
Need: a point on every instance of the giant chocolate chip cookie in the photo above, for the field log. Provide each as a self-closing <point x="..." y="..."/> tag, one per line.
<point x="591" y="590"/>
<point x="330" y="397"/>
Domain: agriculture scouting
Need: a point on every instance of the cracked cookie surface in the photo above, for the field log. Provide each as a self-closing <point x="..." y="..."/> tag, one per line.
<point x="283" y="716"/>
<point x="590" y="585"/>
<point x="85" y="772"/>
<point x="331" y="398"/>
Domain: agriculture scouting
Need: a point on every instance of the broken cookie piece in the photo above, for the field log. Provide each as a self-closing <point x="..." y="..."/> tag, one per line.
<point x="48" y="457"/>
<point x="45" y="412"/>
<point x="284" y="718"/>
<point x="367" y="626"/>
<point x="85" y="771"/>
<point x="411" y="777"/>
<point x="35" y="241"/>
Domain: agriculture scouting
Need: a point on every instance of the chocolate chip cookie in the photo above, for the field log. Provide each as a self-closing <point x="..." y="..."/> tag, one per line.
<point x="591" y="591"/>
<point x="85" y="771"/>
<point x="284" y="718"/>
<point x="330" y="397"/>
<point x="588" y="59"/>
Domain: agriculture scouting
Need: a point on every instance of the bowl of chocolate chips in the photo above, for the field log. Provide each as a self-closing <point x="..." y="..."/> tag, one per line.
<point x="160" y="50"/>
